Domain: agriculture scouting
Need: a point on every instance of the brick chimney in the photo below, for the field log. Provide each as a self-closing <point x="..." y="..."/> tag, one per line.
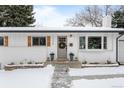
<point x="106" y="22"/>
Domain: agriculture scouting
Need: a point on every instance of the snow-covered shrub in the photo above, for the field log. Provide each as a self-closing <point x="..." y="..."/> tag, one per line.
<point x="12" y="63"/>
<point x="21" y="63"/>
<point x="94" y="63"/>
<point x="29" y="62"/>
<point x="76" y="58"/>
<point x="84" y="62"/>
<point x="48" y="58"/>
<point x="25" y="61"/>
<point x="109" y="62"/>
<point x="36" y="62"/>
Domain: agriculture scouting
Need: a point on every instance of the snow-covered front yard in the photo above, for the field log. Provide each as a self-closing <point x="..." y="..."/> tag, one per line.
<point x="27" y="78"/>
<point x="98" y="77"/>
<point x="76" y="78"/>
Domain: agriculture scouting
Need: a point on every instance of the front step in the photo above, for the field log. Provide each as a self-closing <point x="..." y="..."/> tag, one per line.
<point x="62" y="60"/>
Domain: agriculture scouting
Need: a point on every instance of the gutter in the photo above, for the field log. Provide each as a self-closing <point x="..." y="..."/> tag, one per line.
<point x="61" y="31"/>
<point x="121" y="34"/>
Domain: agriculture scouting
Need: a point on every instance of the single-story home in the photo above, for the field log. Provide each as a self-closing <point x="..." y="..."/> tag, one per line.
<point x="90" y="44"/>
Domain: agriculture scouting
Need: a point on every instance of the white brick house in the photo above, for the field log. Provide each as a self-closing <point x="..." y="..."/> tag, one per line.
<point x="95" y="44"/>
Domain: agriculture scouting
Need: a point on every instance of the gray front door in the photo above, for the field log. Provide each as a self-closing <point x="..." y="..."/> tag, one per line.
<point x="62" y="47"/>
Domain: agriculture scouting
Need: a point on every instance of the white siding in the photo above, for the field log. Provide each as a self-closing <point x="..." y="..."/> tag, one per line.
<point x="100" y="56"/>
<point x="19" y="54"/>
<point x="74" y="49"/>
<point x="17" y="40"/>
<point x="18" y="50"/>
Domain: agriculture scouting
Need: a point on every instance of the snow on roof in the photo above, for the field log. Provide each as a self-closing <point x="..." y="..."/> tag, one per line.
<point x="60" y="29"/>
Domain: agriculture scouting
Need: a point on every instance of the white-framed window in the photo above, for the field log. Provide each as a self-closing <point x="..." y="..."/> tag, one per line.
<point x="1" y="41"/>
<point x="82" y="42"/>
<point x="93" y="42"/>
<point x="39" y="41"/>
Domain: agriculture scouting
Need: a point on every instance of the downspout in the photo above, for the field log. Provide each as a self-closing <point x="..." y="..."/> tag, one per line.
<point x="121" y="34"/>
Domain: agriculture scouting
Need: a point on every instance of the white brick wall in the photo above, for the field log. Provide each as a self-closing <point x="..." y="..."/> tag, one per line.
<point x="18" y="50"/>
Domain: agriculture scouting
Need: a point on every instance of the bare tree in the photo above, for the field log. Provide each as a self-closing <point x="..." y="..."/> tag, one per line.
<point x="121" y="8"/>
<point x="91" y="15"/>
<point x="78" y="20"/>
<point x="107" y="10"/>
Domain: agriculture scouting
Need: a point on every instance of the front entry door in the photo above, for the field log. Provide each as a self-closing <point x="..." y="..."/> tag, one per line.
<point x="62" y="47"/>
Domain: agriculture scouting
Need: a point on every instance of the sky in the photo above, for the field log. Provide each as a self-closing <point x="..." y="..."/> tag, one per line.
<point x="54" y="15"/>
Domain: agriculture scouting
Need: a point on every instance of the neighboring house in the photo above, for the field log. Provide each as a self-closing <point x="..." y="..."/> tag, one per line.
<point x="94" y="45"/>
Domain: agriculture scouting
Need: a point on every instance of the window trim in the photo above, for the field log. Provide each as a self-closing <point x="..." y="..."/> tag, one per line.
<point x="39" y="41"/>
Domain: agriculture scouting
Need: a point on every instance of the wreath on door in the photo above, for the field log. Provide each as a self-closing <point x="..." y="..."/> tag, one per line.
<point x="62" y="45"/>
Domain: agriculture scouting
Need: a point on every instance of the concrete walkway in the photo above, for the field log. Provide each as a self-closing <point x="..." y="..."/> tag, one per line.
<point x="61" y="78"/>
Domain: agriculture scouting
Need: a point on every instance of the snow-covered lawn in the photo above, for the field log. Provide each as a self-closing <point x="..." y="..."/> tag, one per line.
<point x="98" y="77"/>
<point x="84" y="77"/>
<point x="23" y="78"/>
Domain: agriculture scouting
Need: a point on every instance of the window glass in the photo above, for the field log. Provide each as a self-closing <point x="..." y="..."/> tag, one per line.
<point x="1" y="41"/>
<point x="82" y="43"/>
<point x="35" y="41"/>
<point x="105" y="43"/>
<point x="94" y="42"/>
<point x="39" y="41"/>
<point x="42" y="41"/>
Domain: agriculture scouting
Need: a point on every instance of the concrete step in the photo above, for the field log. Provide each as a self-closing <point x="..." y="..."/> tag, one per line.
<point x="61" y="60"/>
